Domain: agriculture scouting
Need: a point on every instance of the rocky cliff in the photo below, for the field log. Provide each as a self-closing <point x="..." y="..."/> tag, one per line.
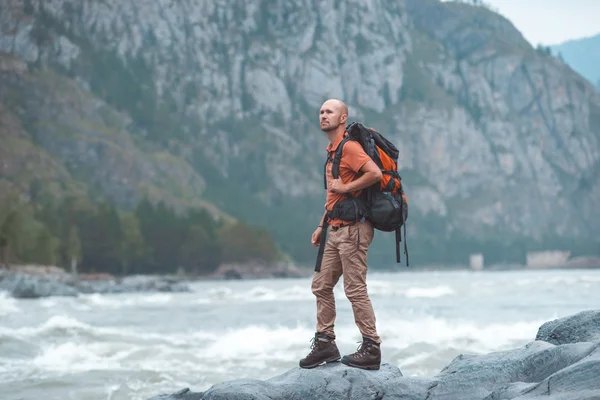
<point x="217" y="102"/>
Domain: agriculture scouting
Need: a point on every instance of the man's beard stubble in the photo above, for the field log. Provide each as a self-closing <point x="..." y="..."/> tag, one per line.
<point x="330" y="128"/>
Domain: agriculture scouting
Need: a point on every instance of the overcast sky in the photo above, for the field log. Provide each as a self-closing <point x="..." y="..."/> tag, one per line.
<point x="551" y="21"/>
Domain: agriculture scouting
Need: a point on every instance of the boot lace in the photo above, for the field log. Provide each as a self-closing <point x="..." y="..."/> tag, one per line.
<point x="363" y="349"/>
<point x="314" y="345"/>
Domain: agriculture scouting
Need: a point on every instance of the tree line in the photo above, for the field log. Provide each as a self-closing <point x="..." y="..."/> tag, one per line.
<point x="152" y="238"/>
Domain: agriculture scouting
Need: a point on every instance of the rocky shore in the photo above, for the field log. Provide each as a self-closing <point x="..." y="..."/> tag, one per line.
<point x="35" y="282"/>
<point x="563" y="362"/>
<point x="256" y="270"/>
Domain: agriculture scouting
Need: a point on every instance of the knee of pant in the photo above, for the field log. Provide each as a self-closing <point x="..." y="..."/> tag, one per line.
<point x="355" y="294"/>
<point x="321" y="290"/>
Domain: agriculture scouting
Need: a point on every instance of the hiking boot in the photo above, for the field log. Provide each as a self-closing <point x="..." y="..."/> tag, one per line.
<point x="368" y="356"/>
<point x="324" y="350"/>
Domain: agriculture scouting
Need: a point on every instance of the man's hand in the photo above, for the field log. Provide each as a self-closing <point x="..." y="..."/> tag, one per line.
<point x="337" y="186"/>
<point x="316" y="237"/>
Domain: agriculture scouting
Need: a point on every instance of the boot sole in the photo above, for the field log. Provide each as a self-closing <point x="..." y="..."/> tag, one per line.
<point x="327" y="361"/>
<point x="373" y="367"/>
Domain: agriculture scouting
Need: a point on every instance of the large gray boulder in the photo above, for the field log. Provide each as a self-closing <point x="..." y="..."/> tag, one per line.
<point x="568" y="369"/>
<point x="578" y="381"/>
<point x="516" y="373"/>
<point x="581" y="327"/>
<point x="330" y="381"/>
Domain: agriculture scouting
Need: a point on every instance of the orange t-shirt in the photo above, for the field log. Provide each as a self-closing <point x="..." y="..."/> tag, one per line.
<point x="353" y="159"/>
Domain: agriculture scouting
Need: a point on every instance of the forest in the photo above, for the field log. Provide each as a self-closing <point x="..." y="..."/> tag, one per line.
<point x="88" y="237"/>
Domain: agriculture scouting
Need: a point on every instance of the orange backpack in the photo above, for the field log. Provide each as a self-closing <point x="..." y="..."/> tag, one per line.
<point x="384" y="204"/>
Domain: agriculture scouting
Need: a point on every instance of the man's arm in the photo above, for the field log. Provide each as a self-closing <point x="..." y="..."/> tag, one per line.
<point x="371" y="174"/>
<point x="316" y="236"/>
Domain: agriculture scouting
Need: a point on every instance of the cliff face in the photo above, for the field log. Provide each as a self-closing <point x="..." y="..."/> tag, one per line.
<point x="221" y="100"/>
<point x="59" y="139"/>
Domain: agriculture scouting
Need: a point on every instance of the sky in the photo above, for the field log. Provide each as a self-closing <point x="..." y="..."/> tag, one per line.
<point x="550" y="22"/>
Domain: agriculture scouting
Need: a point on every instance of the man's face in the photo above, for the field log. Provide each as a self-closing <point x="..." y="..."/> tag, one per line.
<point x="331" y="116"/>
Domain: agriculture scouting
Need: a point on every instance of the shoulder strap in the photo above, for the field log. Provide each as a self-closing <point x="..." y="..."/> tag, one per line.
<point x="335" y="168"/>
<point x="325" y="170"/>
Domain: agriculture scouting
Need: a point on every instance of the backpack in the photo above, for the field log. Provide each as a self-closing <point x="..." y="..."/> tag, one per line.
<point x="385" y="203"/>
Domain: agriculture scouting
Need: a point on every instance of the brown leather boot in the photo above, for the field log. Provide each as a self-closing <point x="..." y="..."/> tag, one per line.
<point x="324" y="350"/>
<point x="368" y="356"/>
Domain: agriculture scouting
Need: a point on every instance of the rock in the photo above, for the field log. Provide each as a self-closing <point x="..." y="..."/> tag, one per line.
<point x="579" y="381"/>
<point x="567" y="370"/>
<point x="183" y="394"/>
<point x="153" y="283"/>
<point x="478" y="377"/>
<point x="32" y="287"/>
<point x="129" y="284"/>
<point x="258" y="270"/>
<point x="231" y="274"/>
<point x="581" y="327"/>
<point x="331" y="381"/>
<point x="34" y="283"/>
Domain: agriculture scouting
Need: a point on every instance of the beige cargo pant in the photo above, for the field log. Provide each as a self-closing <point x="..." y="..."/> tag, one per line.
<point x="344" y="255"/>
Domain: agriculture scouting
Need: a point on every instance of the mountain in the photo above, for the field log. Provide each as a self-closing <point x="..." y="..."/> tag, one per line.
<point x="216" y="104"/>
<point x="583" y="55"/>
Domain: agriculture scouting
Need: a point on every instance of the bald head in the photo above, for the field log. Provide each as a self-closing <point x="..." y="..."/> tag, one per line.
<point x="336" y="104"/>
<point x="333" y="115"/>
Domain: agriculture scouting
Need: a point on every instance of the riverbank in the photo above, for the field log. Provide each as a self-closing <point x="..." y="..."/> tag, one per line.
<point x="35" y="281"/>
<point x="32" y="282"/>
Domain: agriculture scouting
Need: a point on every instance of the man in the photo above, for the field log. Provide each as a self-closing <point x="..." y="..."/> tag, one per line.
<point x="345" y="251"/>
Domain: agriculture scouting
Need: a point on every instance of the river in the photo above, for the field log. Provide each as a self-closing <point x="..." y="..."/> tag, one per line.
<point x="134" y="346"/>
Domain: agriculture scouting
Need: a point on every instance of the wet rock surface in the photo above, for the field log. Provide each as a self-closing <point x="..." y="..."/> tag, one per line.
<point x="562" y="363"/>
<point x="581" y="327"/>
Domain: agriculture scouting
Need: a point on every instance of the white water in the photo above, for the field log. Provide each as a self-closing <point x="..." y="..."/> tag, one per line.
<point x="134" y="346"/>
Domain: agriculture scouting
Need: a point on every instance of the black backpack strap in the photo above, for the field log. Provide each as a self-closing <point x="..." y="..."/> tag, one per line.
<point x="322" y="242"/>
<point x="404" y="226"/>
<point x="399" y="238"/>
<point x="335" y="168"/>
<point x="325" y="170"/>
<point x="405" y="248"/>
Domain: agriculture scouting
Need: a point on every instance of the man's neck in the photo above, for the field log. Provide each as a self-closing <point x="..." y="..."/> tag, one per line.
<point x="334" y="135"/>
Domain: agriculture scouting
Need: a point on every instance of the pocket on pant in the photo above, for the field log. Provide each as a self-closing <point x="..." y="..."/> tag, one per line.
<point x="364" y="230"/>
